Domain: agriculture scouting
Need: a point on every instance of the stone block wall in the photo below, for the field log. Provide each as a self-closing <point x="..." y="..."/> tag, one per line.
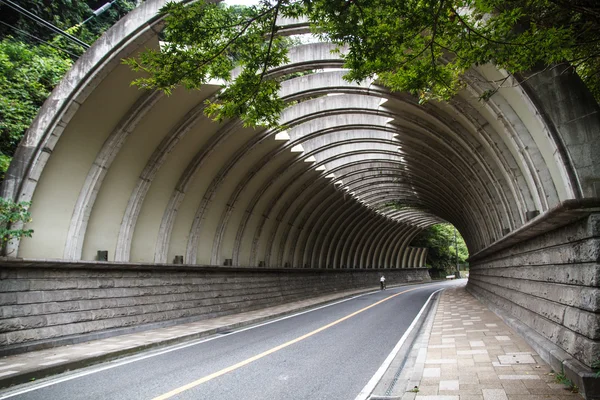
<point x="551" y="284"/>
<point x="42" y="304"/>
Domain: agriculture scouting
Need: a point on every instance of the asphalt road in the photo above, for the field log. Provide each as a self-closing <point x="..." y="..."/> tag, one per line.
<point x="327" y="353"/>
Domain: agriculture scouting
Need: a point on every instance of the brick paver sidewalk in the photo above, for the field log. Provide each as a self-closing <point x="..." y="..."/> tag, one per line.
<point x="472" y="355"/>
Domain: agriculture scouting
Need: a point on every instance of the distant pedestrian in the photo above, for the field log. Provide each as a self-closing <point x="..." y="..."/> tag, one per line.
<point x="382" y="282"/>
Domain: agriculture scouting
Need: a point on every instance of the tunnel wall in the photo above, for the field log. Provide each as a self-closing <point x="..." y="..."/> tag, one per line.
<point x="549" y="284"/>
<point x="45" y="306"/>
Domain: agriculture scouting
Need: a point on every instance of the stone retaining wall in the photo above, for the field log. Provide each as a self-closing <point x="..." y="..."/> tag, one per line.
<point x="42" y="305"/>
<point x="551" y="284"/>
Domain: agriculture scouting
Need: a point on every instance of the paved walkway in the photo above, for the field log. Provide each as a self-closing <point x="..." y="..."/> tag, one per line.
<point x="468" y="353"/>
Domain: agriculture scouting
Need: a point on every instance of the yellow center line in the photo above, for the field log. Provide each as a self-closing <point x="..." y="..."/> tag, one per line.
<point x="271" y="351"/>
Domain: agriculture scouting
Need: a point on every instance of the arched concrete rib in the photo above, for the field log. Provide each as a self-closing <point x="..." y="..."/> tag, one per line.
<point x="294" y="262"/>
<point x="252" y="172"/>
<point x="166" y="226"/>
<point x="442" y="184"/>
<point x="323" y="242"/>
<point x="410" y="255"/>
<point x="523" y="140"/>
<point x="364" y="184"/>
<point x="238" y="235"/>
<point x="423" y="260"/>
<point x="379" y="244"/>
<point x="322" y="58"/>
<point x="393" y="252"/>
<point x="403" y="253"/>
<point x="494" y="148"/>
<point x="177" y="198"/>
<point x="535" y="196"/>
<point x="481" y="138"/>
<point x="362" y="256"/>
<point x="487" y="192"/>
<point x="305" y="57"/>
<point x="417" y="123"/>
<point x="239" y="155"/>
<point x="295" y="178"/>
<point x="418" y="256"/>
<point x="375" y="241"/>
<point x="484" y="168"/>
<point x="302" y="195"/>
<point x="343" y="219"/>
<point x="388" y="254"/>
<point x="393" y="217"/>
<point x="341" y="244"/>
<point x="298" y="56"/>
<point x="312" y="241"/>
<point x="357" y="224"/>
<point x="321" y="221"/>
<point x="95" y="178"/>
<point x="367" y="186"/>
<point x="157" y="159"/>
<point x="478" y="84"/>
<point x="289" y="252"/>
<point x="262" y="190"/>
<point x="319" y="201"/>
<point x="299" y="254"/>
<point x="359" y="243"/>
<point x="300" y="113"/>
<point x="242" y="226"/>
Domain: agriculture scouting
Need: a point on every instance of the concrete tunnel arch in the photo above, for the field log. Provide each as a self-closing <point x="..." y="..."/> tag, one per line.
<point x="150" y="177"/>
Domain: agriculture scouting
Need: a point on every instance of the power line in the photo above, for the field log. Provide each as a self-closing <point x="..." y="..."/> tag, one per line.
<point x="47" y="24"/>
<point x="41" y="40"/>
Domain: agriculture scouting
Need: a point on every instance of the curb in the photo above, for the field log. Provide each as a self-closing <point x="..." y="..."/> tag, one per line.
<point x="395" y="381"/>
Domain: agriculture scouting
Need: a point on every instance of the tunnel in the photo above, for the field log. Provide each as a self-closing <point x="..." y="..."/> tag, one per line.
<point x="122" y="179"/>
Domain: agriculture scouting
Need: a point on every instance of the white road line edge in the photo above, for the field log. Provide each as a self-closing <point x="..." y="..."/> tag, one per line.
<point x="370" y="386"/>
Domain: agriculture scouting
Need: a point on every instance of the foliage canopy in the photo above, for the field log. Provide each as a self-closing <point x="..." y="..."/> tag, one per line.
<point x="30" y="67"/>
<point x="11" y="213"/>
<point x="65" y="15"/>
<point x="420" y="46"/>
<point x="27" y="76"/>
<point x="442" y="251"/>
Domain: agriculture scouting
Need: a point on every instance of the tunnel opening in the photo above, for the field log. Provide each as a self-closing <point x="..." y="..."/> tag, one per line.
<point x="447" y="252"/>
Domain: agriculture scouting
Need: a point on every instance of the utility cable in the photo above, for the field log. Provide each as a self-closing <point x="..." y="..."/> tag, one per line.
<point x="41" y="21"/>
<point x="41" y="40"/>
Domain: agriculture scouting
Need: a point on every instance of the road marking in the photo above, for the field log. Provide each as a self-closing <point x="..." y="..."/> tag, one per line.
<point x="119" y="363"/>
<point x="370" y="386"/>
<point x="271" y="351"/>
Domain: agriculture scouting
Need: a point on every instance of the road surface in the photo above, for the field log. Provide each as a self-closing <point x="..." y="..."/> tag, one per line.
<point x="330" y="352"/>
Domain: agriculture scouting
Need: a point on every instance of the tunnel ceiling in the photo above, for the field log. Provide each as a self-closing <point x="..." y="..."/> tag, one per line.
<point x="357" y="173"/>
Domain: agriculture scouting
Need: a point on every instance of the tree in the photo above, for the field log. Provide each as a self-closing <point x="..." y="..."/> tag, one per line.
<point x="27" y="76"/>
<point x="439" y="239"/>
<point x="420" y="46"/>
<point x="11" y="213"/>
<point x="65" y="15"/>
<point x="30" y="67"/>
